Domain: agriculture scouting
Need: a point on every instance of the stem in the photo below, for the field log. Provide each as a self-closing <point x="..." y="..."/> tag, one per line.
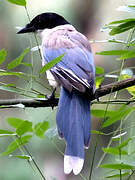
<point x="34" y="33"/>
<point x="82" y="176"/>
<point x="131" y="175"/>
<point x="34" y="162"/>
<point x="120" y="149"/>
<point x="92" y="164"/>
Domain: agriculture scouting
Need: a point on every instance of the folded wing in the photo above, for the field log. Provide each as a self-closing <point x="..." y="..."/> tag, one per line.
<point x="75" y="70"/>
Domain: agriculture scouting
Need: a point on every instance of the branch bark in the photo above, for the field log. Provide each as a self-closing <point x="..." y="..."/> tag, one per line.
<point x="102" y="91"/>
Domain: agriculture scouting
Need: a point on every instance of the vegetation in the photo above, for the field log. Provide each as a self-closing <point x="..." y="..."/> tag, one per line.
<point x="118" y="111"/>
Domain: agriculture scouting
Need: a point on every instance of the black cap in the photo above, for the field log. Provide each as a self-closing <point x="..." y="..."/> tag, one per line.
<point x="43" y="21"/>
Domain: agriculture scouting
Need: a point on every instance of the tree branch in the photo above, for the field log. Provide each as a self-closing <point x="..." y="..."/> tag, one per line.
<point x="102" y="91"/>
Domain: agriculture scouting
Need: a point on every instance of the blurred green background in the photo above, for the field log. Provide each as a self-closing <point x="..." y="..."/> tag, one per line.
<point x="88" y="16"/>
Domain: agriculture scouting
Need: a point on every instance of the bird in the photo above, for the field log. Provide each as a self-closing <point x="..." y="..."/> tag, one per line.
<point x="76" y="75"/>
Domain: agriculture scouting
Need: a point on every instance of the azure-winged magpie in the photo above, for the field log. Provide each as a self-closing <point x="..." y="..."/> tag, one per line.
<point x="76" y="74"/>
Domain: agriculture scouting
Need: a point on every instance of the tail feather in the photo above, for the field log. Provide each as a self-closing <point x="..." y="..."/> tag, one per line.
<point x="73" y="122"/>
<point x="73" y="163"/>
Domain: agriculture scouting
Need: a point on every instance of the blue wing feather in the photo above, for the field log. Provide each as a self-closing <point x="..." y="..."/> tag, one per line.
<point x="79" y="61"/>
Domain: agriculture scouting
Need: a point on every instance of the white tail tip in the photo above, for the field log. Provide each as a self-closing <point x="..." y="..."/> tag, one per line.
<point x="73" y="163"/>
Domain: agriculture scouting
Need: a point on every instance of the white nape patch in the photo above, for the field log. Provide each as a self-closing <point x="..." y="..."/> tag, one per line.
<point x="51" y="79"/>
<point x="73" y="163"/>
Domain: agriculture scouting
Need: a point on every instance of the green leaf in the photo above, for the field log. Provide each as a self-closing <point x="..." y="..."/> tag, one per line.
<point x="116" y="166"/>
<point x="122" y="21"/>
<point x="18" y="2"/>
<point x="113" y="52"/>
<point x="16" y="144"/>
<point x="131" y="90"/>
<point x="7" y="73"/>
<point x="124" y="143"/>
<point x="98" y="81"/>
<point x="26" y="64"/>
<point x="40" y="128"/>
<point x="14" y="122"/>
<point x="4" y="133"/>
<point x="128" y="73"/>
<point x="40" y="96"/>
<point x="21" y="126"/>
<point x="115" y="139"/>
<point x="9" y="85"/>
<point x="97" y="132"/>
<point x="117" y="41"/>
<point x="114" y="151"/>
<point x="18" y="60"/>
<point x="121" y="113"/>
<point x="122" y="28"/>
<point x="2" y="55"/>
<point x="99" y="70"/>
<point x="27" y="157"/>
<point x="24" y="127"/>
<point x="101" y="113"/>
<point x="118" y="175"/>
<point x="129" y="54"/>
<point x="51" y="63"/>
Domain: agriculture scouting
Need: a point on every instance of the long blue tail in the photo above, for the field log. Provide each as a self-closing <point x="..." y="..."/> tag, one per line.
<point x="73" y="122"/>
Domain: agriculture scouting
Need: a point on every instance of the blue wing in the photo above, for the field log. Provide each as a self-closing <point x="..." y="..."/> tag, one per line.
<point x="75" y="70"/>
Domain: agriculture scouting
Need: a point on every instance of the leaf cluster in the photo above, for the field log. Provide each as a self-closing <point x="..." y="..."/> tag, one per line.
<point x="23" y="131"/>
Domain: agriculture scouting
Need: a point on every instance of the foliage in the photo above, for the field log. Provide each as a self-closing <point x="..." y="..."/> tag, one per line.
<point x="117" y="149"/>
<point x="23" y="132"/>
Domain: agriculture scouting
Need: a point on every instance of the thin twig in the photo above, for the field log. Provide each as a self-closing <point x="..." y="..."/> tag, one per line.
<point x="35" y="163"/>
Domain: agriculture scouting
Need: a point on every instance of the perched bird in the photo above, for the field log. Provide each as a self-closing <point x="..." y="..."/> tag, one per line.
<point x="76" y="74"/>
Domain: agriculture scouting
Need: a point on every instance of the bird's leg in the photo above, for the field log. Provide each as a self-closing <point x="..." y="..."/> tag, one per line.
<point x="53" y="94"/>
<point x="51" y="97"/>
<point x="96" y="96"/>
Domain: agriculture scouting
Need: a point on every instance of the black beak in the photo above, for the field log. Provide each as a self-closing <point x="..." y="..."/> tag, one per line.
<point x="26" y="30"/>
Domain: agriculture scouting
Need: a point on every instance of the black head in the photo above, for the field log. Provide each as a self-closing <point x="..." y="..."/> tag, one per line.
<point x="43" y="21"/>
